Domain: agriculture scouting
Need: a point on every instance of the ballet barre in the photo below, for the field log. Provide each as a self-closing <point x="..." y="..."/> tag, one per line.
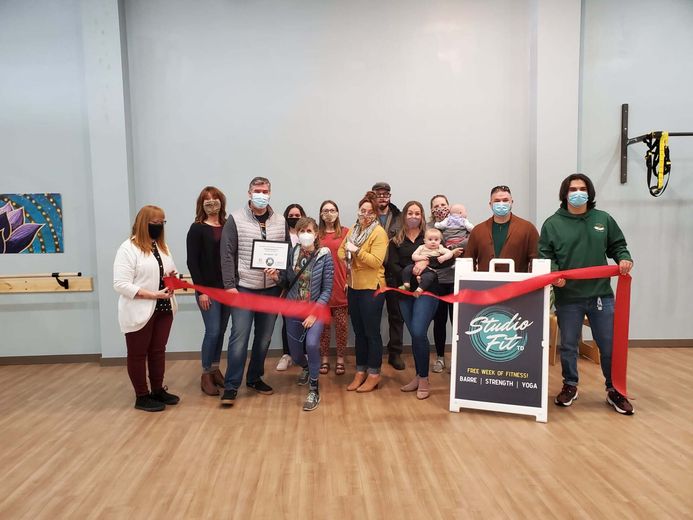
<point x="182" y="292"/>
<point x="45" y="283"/>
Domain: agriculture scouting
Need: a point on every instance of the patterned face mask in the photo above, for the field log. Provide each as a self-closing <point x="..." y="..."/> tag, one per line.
<point x="440" y="213"/>
<point x="211" y="206"/>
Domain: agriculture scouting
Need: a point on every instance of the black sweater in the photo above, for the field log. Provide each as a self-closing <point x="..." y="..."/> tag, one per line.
<point x="398" y="257"/>
<point x="204" y="260"/>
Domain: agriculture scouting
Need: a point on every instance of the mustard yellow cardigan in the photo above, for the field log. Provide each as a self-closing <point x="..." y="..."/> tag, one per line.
<point x="367" y="271"/>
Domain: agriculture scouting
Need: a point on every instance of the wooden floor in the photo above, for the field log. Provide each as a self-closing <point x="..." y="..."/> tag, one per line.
<point x="72" y="446"/>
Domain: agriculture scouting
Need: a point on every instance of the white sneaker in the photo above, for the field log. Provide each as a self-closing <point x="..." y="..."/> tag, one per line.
<point x="438" y="366"/>
<point x="284" y="362"/>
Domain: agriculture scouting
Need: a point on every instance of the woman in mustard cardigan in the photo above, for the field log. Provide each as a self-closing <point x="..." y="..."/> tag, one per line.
<point x="364" y="249"/>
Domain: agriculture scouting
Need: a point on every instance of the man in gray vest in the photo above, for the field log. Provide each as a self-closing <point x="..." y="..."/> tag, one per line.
<point x="255" y="221"/>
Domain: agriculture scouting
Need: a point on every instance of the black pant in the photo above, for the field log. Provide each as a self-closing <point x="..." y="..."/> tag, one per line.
<point x="440" y="321"/>
<point x="428" y="278"/>
<point x="395" y="321"/>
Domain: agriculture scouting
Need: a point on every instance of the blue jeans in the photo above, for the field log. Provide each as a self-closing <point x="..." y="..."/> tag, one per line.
<point x="418" y="314"/>
<point x="300" y="338"/>
<point x="241" y="322"/>
<point x="365" y="312"/>
<point x="216" y="318"/>
<point x="600" y="313"/>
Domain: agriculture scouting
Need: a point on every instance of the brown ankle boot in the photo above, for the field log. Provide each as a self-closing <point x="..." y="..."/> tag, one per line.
<point x="411" y="385"/>
<point x="218" y="378"/>
<point x="359" y="378"/>
<point x="371" y="383"/>
<point x="424" y="388"/>
<point x="207" y="384"/>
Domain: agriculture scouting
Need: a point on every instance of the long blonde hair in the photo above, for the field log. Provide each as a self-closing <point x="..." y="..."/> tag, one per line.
<point x="399" y="237"/>
<point x="140" y="229"/>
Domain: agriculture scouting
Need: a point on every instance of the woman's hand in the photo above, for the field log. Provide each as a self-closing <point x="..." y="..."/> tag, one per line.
<point x="163" y="294"/>
<point x="419" y="267"/>
<point x="172" y="273"/>
<point x="351" y="248"/>
<point x="309" y="321"/>
<point x="273" y="274"/>
<point x="456" y="253"/>
<point x="203" y="302"/>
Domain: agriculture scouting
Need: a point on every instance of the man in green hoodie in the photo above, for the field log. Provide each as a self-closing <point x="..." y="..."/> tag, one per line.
<point x="579" y="235"/>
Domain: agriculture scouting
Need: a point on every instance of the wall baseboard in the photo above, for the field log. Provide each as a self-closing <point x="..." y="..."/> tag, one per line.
<point x="50" y="360"/>
<point x="272" y="353"/>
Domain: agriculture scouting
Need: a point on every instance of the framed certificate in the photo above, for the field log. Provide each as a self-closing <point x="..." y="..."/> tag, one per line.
<point x="269" y="254"/>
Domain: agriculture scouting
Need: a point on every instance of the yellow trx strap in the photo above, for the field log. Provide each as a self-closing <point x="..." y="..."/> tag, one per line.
<point x="663" y="144"/>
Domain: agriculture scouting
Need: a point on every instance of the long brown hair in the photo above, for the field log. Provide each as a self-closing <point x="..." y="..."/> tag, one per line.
<point x="434" y="198"/>
<point x="401" y="232"/>
<point x="140" y="229"/>
<point x="216" y="193"/>
<point x="322" y="229"/>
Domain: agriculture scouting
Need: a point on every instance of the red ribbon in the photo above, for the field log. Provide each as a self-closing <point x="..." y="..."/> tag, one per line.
<point x="619" y="356"/>
<point x="256" y="302"/>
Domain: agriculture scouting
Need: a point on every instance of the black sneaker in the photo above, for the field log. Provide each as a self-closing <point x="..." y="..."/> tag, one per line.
<point x="395" y="360"/>
<point x="146" y="403"/>
<point x="312" y="401"/>
<point x="302" y="378"/>
<point x="229" y="396"/>
<point x="163" y="396"/>
<point x="620" y="403"/>
<point x="260" y="387"/>
<point x="568" y="394"/>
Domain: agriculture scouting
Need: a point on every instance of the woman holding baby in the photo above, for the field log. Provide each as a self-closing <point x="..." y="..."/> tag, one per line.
<point x="418" y="311"/>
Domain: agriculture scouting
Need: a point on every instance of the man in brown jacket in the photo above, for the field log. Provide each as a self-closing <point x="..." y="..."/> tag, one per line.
<point x="504" y="235"/>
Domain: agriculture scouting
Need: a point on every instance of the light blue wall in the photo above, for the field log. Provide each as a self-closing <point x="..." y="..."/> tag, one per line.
<point x="44" y="147"/>
<point x="640" y="53"/>
<point x="325" y="98"/>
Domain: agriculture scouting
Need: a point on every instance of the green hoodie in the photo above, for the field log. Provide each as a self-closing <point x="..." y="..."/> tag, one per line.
<point x="574" y="241"/>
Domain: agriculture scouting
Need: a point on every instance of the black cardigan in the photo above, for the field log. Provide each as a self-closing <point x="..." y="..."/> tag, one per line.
<point x="204" y="260"/>
<point x="398" y="257"/>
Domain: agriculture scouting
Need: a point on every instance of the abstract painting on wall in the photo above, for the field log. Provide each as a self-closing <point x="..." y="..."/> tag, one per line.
<point x="31" y="223"/>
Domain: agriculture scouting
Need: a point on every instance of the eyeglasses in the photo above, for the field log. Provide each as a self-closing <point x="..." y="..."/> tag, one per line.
<point x="328" y="211"/>
<point x="500" y="188"/>
<point x="366" y="213"/>
<point x="383" y="195"/>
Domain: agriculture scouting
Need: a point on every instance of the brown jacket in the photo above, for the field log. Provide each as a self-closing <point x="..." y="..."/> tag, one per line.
<point x="520" y="244"/>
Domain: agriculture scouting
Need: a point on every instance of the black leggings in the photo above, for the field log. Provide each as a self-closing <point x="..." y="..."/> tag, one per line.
<point x="440" y="321"/>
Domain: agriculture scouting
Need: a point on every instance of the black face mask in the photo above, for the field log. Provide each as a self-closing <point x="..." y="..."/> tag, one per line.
<point x="292" y="221"/>
<point x="155" y="230"/>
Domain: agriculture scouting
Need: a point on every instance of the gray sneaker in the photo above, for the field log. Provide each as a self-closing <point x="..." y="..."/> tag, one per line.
<point x="438" y="366"/>
<point x="312" y="401"/>
<point x="302" y="378"/>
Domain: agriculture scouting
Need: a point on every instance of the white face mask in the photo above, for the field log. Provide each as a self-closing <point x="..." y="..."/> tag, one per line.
<point x="306" y="239"/>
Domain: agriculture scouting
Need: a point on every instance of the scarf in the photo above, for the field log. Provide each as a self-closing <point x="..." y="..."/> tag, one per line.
<point x="358" y="237"/>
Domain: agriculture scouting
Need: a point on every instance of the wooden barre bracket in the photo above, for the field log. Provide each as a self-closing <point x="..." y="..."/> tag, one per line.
<point x="45" y="283"/>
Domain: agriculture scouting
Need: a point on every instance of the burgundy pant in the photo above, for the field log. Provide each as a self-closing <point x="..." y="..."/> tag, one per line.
<point x="147" y="346"/>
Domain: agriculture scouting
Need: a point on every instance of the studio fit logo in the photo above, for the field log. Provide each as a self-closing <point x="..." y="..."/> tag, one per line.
<point x="498" y="333"/>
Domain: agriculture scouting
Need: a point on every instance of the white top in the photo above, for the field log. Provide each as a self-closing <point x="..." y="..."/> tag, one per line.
<point x="134" y="270"/>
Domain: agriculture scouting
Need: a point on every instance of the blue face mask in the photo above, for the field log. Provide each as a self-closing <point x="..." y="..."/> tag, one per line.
<point x="501" y="209"/>
<point x="259" y="200"/>
<point x="577" y="199"/>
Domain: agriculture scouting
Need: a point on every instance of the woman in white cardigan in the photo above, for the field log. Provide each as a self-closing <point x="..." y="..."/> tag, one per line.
<point x="145" y="307"/>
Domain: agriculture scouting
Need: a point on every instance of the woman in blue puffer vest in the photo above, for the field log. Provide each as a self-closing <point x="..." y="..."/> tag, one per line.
<point x="308" y="277"/>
